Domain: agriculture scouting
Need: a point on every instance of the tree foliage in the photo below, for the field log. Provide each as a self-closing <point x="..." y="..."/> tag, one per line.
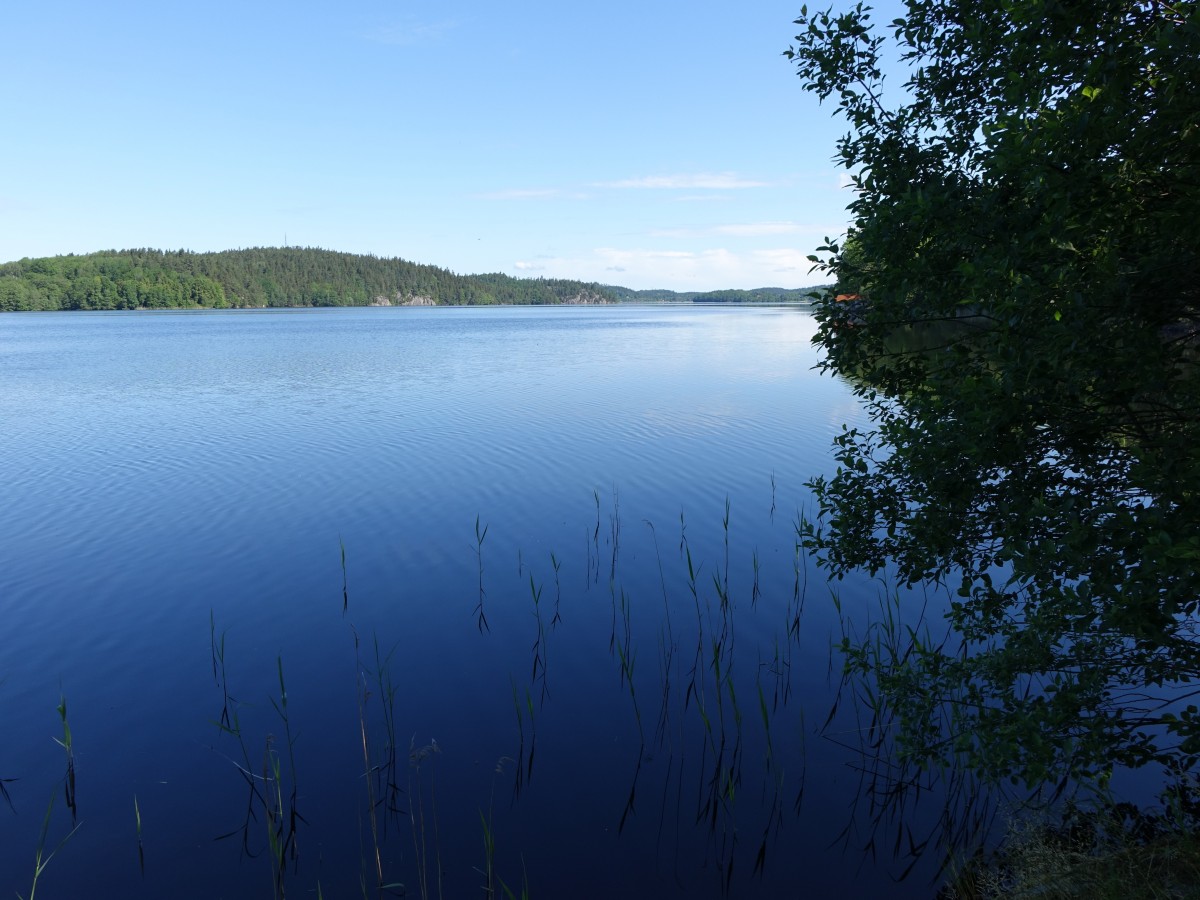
<point x="1024" y="240"/>
<point x="261" y="277"/>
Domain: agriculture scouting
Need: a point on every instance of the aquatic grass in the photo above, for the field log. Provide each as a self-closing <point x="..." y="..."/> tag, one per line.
<point x="137" y="817"/>
<point x="520" y="738"/>
<point x="662" y="579"/>
<point x="710" y="700"/>
<point x="615" y="529"/>
<point x="800" y="579"/>
<point x="755" y="590"/>
<point x="380" y="779"/>
<point x="42" y="858"/>
<point x="666" y="653"/>
<point x="524" y="762"/>
<point x="480" y="619"/>
<point x="489" y="855"/>
<point x="713" y="695"/>
<point x="773" y="823"/>
<point x="282" y="820"/>
<point x="741" y="808"/>
<point x="524" y="894"/>
<point x="539" y="641"/>
<point x="593" y="546"/>
<point x="666" y="645"/>
<point x="266" y="786"/>
<point x="489" y="832"/>
<point x="416" y="757"/>
<point x="6" y="781"/>
<point x="627" y="656"/>
<point x="685" y="551"/>
<point x="704" y="732"/>
<point x="556" y="563"/>
<point x="6" y="795"/>
<point x="629" y="801"/>
<point x="893" y="780"/>
<point x="69" y="749"/>
<point x="273" y="807"/>
<point x="387" y="691"/>
<point x="345" y="580"/>
<point x="723" y="588"/>
<point x="224" y="720"/>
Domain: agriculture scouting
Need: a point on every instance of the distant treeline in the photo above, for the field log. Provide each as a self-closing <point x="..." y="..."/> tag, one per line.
<point x="758" y="295"/>
<point x="295" y="276"/>
<point x="262" y="277"/>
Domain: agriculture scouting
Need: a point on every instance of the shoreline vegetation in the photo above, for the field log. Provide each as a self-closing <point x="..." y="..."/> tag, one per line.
<point x="289" y="277"/>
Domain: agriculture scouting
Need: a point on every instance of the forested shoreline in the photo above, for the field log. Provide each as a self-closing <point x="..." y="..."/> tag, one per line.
<point x="263" y="277"/>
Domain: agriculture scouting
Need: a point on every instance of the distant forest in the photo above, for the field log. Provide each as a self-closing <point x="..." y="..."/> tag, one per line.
<point x="294" y="276"/>
<point x="758" y="295"/>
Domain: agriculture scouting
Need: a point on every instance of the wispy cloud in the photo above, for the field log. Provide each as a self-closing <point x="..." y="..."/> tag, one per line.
<point x="679" y="269"/>
<point x="758" y="229"/>
<point x="720" y="182"/>
<point x="786" y="261"/>
<point x="740" y="229"/>
<point x="707" y="181"/>
<point x="405" y="34"/>
<point x="532" y="194"/>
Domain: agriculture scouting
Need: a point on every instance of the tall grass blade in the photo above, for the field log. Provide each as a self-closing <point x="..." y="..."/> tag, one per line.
<point x="6" y="795"/>
<point x="41" y="857"/>
<point x="137" y="815"/>
<point x="480" y="619"/>
<point x="345" y="582"/>
<point x="68" y="747"/>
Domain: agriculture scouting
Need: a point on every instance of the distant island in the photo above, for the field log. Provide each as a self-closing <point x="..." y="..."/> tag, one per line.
<point x="264" y="277"/>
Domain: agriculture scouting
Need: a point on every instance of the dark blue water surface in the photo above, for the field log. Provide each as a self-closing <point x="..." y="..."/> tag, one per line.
<point x="619" y="725"/>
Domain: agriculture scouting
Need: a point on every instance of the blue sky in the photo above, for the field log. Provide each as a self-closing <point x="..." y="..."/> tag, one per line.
<point x="648" y="144"/>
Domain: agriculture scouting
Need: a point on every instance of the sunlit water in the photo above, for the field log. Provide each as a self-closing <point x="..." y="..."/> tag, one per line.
<point x="517" y="493"/>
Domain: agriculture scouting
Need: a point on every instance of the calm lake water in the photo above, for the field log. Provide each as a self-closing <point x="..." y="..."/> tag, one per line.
<point x="463" y="536"/>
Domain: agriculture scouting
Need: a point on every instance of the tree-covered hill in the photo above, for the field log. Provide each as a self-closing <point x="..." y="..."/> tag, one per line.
<point x="295" y="276"/>
<point x="292" y="276"/>
<point x="262" y="277"/>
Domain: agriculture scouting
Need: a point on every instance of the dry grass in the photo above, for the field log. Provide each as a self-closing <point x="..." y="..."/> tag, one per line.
<point x="1117" y="852"/>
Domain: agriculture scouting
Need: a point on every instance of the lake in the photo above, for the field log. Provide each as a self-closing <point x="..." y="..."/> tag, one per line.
<point x="460" y="599"/>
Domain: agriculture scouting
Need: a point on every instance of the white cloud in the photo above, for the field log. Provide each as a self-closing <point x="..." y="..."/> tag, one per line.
<point x="789" y="261"/>
<point x="682" y="270"/>
<point x="720" y="181"/>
